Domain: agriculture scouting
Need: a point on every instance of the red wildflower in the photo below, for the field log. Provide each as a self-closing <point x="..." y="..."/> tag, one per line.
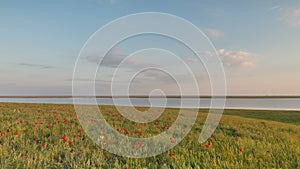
<point x="141" y="134"/>
<point x="36" y="139"/>
<point x="171" y="155"/>
<point x="72" y="143"/>
<point x="158" y="127"/>
<point x="79" y="131"/>
<point x="2" y="135"/>
<point x="208" y="146"/>
<point x="43" y="145"/>
<point x="47" y="126"/>
<point x="7" y="131"/>
<point x="65" y="138"/>
<point x="16" y="133"/>
<point x="277" y="139"/>
<point x="241" y="150"/>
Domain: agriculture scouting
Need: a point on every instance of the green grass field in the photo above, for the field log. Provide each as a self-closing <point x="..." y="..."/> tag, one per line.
<point x="50" y="136"/>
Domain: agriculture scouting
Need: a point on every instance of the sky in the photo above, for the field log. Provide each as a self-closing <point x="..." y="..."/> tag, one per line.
<point x="257" y="43"/>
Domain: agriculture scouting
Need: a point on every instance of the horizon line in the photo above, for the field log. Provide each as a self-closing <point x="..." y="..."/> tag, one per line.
<point x="145" y="96"/>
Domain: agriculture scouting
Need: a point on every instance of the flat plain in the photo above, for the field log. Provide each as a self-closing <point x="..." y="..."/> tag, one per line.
<point x="50" y="136"/>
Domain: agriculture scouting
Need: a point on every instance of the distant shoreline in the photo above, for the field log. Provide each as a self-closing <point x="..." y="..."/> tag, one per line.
<point x="140" y="96"/>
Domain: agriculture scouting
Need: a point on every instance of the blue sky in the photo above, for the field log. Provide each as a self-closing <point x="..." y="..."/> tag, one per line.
<point x="258" y="42"/>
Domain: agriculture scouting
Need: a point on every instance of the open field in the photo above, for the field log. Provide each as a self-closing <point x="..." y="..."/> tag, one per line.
<point x="50" y="136"/>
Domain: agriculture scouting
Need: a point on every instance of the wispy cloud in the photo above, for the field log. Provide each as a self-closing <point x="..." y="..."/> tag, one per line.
<point x="38" y="66"/>
<point x="237" y="58"/>
<point x="234" y="59"/>
<point x="115" y="57"/>
<point x="213" y="33"/>
<point x="191" y="60"/>
<point x="291" y="17"/>
<point x="274" y="8"/>
<point x="109" y="1"/>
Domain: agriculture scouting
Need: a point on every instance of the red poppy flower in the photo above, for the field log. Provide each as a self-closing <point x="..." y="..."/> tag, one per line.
<point x="79" y="131"/>
<point x="158" y="127"/>
<point x="43" y="145"/>
<point x="16" y="133"/>
<point x="241" y="150"/>
<point x="171" y="155"/>
<point x="7" y="131"/>
<point x="2" y="135"/>
<point x="36" y="139"/>
<point x="65" y="138"/>
<point x="72" y="143"/>
<point x="47" y="126"/>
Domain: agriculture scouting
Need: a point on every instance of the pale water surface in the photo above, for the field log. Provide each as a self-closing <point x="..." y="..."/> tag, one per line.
<point x="232" y="103"/>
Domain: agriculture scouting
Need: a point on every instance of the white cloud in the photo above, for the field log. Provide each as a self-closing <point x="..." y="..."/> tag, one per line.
<point x="213" y="33"/>
<point x="233" y="58"/>
<point x="237" y="58"/>
<point x="191" y="60"/>
<point x="291" y="17"/>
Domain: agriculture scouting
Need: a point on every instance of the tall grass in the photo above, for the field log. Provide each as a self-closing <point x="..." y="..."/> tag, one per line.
<point x="50" y="136"/>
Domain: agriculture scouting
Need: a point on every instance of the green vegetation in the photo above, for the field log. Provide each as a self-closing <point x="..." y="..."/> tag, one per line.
<point x="287" y="116"/>
<point x="50" y="136"/>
